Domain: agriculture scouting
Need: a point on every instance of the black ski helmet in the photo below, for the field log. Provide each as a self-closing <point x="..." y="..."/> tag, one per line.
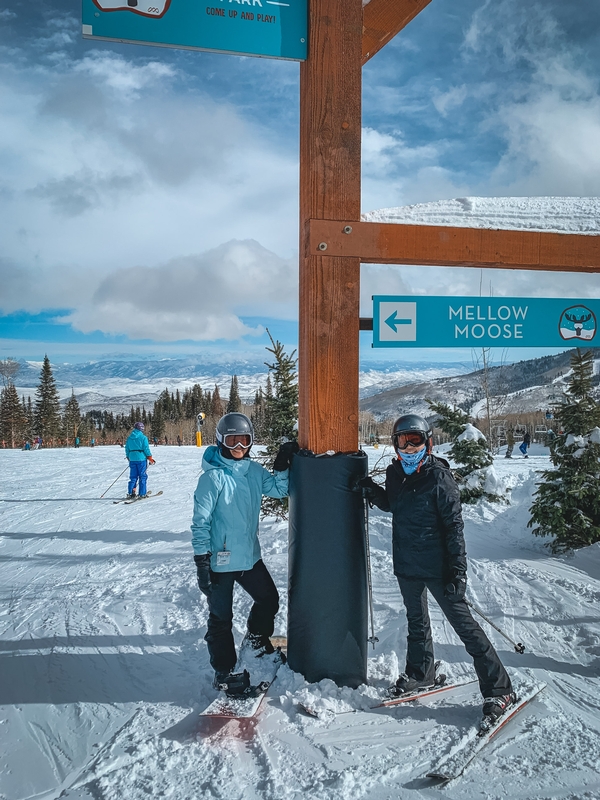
<point x="413" y="423"/>
<point x="234" y="423"/>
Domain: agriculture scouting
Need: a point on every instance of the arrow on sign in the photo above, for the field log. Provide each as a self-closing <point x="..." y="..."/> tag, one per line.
<point x="393" y="322"/>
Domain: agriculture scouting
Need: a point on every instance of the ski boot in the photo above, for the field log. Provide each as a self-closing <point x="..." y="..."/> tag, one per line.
<point x="494" y="708"/>
<point x="132" y="496"/>
<point x="260" y="645"/>
<point x="406" y="685"/>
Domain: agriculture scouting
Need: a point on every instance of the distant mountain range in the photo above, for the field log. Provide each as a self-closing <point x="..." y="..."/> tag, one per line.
<point x="116" y="385"/>
<point x="525" y="386"/>
<point x="386" y="389"/>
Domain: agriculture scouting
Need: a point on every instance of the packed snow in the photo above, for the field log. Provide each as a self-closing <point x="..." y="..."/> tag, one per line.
<point x="560" y="214"/>
<point x="105" y="671"/>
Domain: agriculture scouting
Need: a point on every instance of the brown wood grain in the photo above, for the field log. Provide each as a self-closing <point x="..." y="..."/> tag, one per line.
<point x="330" y="139"/>
<point x="429" y="245"/>
<point x="383" y="19"/>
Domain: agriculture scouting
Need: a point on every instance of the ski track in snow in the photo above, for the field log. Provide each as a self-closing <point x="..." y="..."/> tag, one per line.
<point x="104" y="667"/>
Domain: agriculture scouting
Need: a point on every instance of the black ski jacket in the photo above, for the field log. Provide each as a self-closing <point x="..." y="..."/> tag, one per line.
<point x="427" y="525"/>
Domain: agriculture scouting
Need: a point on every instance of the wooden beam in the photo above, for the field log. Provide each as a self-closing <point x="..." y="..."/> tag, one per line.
<point x="429" y="245"/>
<point x="330" y="139"/>
<point x="383" y="19"/>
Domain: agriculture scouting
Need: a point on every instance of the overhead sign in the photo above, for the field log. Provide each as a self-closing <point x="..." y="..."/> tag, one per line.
<point x="484" y="322"/>
<point x="268" y="28"/>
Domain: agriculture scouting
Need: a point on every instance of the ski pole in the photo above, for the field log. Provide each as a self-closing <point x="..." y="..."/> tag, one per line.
<point x="115" y="480"/>
<point x="372" y="638"/>
<point x="519" y="648"/>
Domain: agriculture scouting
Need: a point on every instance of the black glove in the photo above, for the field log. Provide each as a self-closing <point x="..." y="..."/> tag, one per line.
<point x="203" y="571"/>
<point x="283" y="459"/>
<point x="367" y="487"/>
<point x="455" y="589"/>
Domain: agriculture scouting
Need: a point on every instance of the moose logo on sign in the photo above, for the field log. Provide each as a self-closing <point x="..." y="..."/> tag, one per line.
<point x="577" y="322"/>
<point x="146" y="8"/>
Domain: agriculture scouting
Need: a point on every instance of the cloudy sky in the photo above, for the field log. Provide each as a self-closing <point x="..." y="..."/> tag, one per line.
<point x="148" y="196"/>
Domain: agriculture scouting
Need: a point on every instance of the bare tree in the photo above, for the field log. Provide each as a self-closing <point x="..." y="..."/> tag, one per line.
<point x="8" y="369"/>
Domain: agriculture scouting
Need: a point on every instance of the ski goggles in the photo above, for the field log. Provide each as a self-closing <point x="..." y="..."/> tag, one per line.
<point x="237" y="441"/>
<point x="414" y="438"/>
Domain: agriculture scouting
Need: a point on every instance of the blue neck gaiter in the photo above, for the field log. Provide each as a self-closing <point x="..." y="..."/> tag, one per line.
<point x="410" y="461"/>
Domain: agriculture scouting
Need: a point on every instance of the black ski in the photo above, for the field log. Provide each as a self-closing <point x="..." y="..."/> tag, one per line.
<point x="455" y="763"/>
<point x="129" y="500"/>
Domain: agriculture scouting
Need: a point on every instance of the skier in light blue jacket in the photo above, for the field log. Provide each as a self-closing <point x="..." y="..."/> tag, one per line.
<point x="137" y="452"/>
<point x="225" y="539"/>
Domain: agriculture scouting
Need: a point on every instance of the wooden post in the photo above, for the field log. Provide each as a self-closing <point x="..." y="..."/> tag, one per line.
<point x="330" y="165"/>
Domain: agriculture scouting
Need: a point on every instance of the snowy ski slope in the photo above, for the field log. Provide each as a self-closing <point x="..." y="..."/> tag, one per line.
<point x="104" y="667"/>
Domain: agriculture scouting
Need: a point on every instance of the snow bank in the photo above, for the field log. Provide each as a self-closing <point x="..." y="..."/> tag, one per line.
<point x="471" y="434"/>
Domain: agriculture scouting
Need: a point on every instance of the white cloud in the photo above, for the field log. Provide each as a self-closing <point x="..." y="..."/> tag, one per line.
<point x="200" y="297"/>
<point x="107" y="164"/>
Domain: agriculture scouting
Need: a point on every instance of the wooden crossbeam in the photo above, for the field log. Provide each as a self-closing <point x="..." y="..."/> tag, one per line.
<point x="429" y="245"/>
<point x="383" y="19"/>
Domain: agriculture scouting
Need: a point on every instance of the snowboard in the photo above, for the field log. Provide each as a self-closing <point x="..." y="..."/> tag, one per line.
<point x="244" y="707"/>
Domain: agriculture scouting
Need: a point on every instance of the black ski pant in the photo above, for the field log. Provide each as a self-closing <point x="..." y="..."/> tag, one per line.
<point x="493" y="678"/>
<point x="219" y="635"/>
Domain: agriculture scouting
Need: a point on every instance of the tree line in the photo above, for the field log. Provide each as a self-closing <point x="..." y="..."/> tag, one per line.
<point x="173" y="417"/>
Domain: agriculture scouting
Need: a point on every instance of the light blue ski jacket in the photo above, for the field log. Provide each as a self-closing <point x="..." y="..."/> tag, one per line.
<point x="137" y="447"/>
<point x="227" y="507"/>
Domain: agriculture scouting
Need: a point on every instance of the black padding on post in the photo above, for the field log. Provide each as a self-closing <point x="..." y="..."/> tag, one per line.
<point x="327" y="614"/>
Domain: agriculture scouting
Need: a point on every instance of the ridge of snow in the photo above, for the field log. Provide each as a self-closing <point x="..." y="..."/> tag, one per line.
<point x="553" y="214"/>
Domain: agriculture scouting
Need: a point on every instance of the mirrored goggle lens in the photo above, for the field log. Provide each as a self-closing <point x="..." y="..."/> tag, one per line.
<point x="402" y="440"/>
<point x="237" y="440"/>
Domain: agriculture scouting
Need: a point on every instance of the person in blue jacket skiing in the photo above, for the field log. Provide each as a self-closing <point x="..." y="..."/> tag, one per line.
<point x="137" y="452"/>
<point x="225" y="539"/>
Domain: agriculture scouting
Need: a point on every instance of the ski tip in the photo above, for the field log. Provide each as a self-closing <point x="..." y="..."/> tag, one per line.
<point x="439" y="777"/>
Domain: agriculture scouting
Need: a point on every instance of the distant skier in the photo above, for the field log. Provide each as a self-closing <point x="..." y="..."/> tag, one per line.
<point x="137" y="452"/>
<point x="225" y="539"/>
<point x="510" y="441"/>
<point x="77" y="441"/>
<point x="525" y="444"/>
<point x="429" y="554"/>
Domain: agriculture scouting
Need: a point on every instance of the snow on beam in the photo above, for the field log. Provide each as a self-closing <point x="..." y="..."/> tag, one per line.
<point x="432" y="245"/>
<point x="383" y="19"/>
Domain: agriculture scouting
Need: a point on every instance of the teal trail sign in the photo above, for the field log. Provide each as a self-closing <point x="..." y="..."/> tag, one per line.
<point x="484" y="322"/>
<point x="269" y="28"/>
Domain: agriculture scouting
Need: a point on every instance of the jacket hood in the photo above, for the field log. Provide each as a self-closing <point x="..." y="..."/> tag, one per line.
<point x="213" y="459"/>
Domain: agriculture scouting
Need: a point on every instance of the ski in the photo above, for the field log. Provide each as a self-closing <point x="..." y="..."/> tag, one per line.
<point x="126" y="501"/>
<point x="455" y="763"/>
<point x="427" y="691"/>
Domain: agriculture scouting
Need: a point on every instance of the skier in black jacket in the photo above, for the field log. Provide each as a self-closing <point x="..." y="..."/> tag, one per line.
<point x="429" y="554"/>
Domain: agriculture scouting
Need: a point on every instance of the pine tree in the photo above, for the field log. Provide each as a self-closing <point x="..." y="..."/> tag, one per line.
<point x="72" y="417"/>
<point x="216" y="406"/>
<point x="158" y="421"/>
<point x="258" y="415"/>
<point x="280" y="414"/>
<point x="470" y="452"/>
<point x="567" y="500"/>
<point x="234" y="403"/>
<point x="47" y="420"/>
<point x="13" y="421"/>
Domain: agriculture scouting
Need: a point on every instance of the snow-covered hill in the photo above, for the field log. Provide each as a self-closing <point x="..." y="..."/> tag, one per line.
<point x="532" y="385"/>
<point x="104" y="668"/>
<point x="117" y="385"/>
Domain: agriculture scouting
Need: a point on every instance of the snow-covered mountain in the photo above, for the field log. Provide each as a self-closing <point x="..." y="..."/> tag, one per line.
<point x="532" y="385"/>
<point x="117" y="385"/>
